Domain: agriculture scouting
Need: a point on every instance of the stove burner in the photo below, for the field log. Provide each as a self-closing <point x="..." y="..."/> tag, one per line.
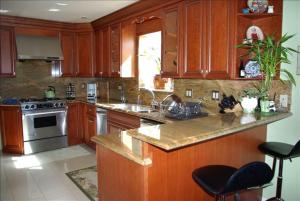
<point x="32" y="104"/>
<point x="26" y="100"/>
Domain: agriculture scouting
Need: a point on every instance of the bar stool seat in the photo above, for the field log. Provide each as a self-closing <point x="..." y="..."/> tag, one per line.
<point x="281" y="151"/>
<point x="220" y="180"/>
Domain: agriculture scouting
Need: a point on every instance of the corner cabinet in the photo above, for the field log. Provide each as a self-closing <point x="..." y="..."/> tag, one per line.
<point x="208" y="39"/>
<point x="171" y="43"/>
<point x="84" y="55"/>
<point x="7" y="52"/>
<point x="11" y="129"/>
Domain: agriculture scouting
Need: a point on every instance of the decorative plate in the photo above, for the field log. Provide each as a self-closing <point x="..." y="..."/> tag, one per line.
<point x="257" y="6"/>
<point x="254" y="33"/>
<point x="252" y="69"/>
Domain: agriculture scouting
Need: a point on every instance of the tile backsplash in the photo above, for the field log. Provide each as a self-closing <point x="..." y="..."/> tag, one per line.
<point x="33" y="77"/>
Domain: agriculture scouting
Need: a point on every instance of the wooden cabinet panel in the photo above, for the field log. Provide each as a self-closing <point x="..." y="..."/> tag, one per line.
<point x="115" y="31"/>
<point x="91" y="125"/>
<point x="11" y="129"/>
<point x="102" y="53"/>
<point x="74" y="124"/>
<point x="208" y="39"/>
<point x="7" y="52"/>
<point x="128" y="49"/>
<point x="194" y="39"/>
<point x="118" y="121"/>
<point x="68" y="67"/>
<point x="220" y="35"/>
<point x="171" y="53"/>
<point x="84" y="46"/>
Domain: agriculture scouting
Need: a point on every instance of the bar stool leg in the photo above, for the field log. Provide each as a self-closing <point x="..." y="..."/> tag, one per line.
<point x="279" y="180"/>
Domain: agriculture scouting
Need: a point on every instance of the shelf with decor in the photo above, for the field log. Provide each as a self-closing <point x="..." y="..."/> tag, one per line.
<point x="255" y="25"/>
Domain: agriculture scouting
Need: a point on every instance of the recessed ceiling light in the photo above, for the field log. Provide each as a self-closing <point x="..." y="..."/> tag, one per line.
<point x="54" y="10"/>
<point x="4" y="11"/>
<point x="84" y="17"/>
<point x="62" y="4"/>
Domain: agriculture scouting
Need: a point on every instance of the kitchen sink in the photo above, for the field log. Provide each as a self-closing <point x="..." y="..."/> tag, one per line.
<point x="133" y="107"/>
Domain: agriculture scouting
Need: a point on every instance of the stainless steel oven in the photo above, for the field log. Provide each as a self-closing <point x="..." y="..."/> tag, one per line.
<point x="44" y="126"/>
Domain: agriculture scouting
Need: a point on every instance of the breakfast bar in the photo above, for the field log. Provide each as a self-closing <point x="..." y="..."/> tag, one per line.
<point x="155" y="163"/>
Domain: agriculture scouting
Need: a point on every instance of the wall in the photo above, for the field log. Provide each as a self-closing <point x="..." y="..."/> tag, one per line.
<point x="288" y="130"/>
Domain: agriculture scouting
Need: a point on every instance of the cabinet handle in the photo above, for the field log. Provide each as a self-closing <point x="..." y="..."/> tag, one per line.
<point x="161" y="72"/>
<point x="201" y="71"/>
<point x="206" y="71"/>
<point x="118" y="72"/>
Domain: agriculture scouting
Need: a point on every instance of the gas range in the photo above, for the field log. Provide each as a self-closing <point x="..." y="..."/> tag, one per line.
<point x="33" y="104"/>
<point x="44" y="124"/>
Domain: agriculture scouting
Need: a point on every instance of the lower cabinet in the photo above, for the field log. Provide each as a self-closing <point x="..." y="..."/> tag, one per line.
<point x="74" y="123"/>
<point x="11" y="129"/>
<point x="91" y="125"/>
<point x="118" y="121"/>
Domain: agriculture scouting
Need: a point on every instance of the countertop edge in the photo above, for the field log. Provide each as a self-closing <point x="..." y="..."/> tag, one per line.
<point x="215" y="134"/>
<point x="121" y="150"/>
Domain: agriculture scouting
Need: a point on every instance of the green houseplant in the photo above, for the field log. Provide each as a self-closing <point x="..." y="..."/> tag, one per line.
<point x="269" y="54"/>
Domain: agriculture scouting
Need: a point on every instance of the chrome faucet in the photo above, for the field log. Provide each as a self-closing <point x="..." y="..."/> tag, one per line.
<point x="154" y="103"/>
<point x="122" y="94"/>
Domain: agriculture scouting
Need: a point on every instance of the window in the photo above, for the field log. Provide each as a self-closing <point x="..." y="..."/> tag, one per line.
<point x="149" y="60"/>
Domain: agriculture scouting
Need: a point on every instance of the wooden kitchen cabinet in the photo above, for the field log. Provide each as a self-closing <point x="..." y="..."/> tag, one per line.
<point x="128" y="49"/>
<point x="7" y="52"/>
<point x="85" y="49"/>
<point x="68" y="65"/>
<point x="171" y="42"/>
<point x="208" y="39"/>
<point x="118" y="121"/>
<point x="102" y="52"/>
<point x="115" y="31"/>
<point x="74" y="123"/>
<point x="91" y="125"/>
<point x="11" y="129"/>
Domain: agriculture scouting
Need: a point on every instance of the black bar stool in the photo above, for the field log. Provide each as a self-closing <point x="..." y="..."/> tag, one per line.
<point x="221" y="180"/>
<point x="281" y="151"/>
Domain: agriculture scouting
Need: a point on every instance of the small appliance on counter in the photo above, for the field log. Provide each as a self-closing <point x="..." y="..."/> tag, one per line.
<point x="91" y="92"/>
<point x="70" y="92"/>
<point x="50" y="92"/>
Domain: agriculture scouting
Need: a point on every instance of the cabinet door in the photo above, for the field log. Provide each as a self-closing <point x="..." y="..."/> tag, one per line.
<point x="84" y="46"/>
<point x="220" y="39"/>
<point x="91" y="130"/>
<point x="106" y="51"/>
<point x="11" y="129"/>
<point x="115" y="50"/>
<point x="171" y="58"/>
<point x="128" y="49"/>
<point x="73" y="123"/>
<point x="7" y="52"/>
<point x="68" y="67"/>
<point x="195" y="44"/>
<point x="101" y="52"/>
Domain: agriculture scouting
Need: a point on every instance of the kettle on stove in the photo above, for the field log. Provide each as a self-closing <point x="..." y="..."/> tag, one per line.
<point x="50" y="92"/>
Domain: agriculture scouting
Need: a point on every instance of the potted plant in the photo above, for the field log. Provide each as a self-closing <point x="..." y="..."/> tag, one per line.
<point x="269" y="54"/>
<point x="249" y="100"/>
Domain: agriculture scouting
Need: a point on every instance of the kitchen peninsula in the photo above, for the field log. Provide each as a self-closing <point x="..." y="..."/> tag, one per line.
<point x="155" y="163"/>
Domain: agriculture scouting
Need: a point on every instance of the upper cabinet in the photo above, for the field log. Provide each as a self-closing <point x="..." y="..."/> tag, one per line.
<point x="266" y="24"/>
<point x="68" y="67"/>
<point x="7" y="52"/>
<point x="208" y="39"/>
<point x="171" y="27"/>
<point x="115" y="31"/>
<point x="128" y="49"/>
<point x="102" y="52"/>
<point x="85" y="49"/>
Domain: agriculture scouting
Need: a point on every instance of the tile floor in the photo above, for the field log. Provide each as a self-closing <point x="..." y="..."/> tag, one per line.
<point x="41" y="176"/>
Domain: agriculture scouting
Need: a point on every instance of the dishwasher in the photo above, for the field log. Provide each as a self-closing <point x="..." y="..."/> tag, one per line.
<point x="101" y="121"/>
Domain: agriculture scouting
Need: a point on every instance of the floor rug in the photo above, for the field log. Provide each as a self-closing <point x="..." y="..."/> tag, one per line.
<point x="86" y="180"/>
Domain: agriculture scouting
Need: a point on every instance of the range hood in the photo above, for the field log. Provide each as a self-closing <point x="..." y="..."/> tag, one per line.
<point x="38" y="47"/>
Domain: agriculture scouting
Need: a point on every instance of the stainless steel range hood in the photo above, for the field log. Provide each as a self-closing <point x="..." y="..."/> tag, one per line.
<point x="38" y="47"/>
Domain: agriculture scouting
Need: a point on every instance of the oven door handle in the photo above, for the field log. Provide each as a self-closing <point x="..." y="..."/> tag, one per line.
<point x="42" y="113"/>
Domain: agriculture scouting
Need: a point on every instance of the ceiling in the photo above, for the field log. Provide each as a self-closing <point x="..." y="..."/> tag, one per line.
<point x="75" y="11"/>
